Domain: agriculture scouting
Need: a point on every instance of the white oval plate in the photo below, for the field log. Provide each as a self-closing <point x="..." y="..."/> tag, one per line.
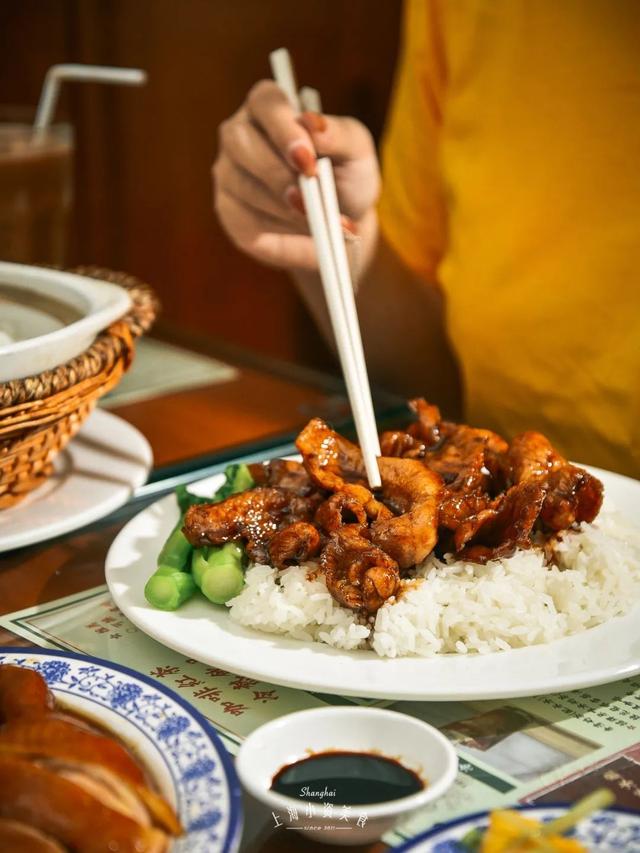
<point x="175" y="742"/>
<point x="605" y="831"/>
<point x="39" y="340"/>
<point x="96" y="473"/>
<point x="204" y="631"/>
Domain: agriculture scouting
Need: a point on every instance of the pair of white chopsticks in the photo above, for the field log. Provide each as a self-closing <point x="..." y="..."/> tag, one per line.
<point x="323" y="213"/>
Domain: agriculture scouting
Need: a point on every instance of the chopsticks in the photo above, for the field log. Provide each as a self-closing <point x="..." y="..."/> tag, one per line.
<point x="323" y="214"/>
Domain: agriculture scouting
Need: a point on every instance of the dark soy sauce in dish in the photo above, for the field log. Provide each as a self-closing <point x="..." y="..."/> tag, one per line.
<point x="346" y="778"/>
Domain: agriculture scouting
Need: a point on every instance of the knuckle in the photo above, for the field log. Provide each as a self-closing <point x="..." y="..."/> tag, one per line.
<point x="353" y="136"/>
<point x="355" y="129"/>
<point x="259" y="91"/>
<point x="224" y="129"/>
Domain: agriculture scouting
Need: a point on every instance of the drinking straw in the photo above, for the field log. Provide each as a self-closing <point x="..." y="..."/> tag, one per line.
<point x="57" y="74"/>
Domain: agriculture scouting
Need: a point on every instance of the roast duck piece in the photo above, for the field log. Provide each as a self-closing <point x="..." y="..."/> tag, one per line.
<point x="66" y="786"/>
<point x="445" y="486"/>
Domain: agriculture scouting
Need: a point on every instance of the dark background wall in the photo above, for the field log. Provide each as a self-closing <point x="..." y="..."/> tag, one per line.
<point x="143" y="196"/>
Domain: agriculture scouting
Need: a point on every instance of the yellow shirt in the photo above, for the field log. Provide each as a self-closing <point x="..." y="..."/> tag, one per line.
<point x="511" y="171"/>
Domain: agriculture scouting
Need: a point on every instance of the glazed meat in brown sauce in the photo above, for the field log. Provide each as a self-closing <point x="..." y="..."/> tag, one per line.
<point x="497" y="496"/>
<point x="446" y="486"/>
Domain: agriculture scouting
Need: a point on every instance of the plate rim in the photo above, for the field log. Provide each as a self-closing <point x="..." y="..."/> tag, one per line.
<point x="273" y="674"/>
<point x="409" y="845"/>
<point x="11" y="542"/>
<point x="236" y="817"/>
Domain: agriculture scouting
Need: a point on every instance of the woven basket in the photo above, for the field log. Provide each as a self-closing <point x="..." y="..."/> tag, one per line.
<point x="39" y="414"/>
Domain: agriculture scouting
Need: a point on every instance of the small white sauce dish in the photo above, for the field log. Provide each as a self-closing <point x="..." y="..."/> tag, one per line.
<point x="414" y="744"/>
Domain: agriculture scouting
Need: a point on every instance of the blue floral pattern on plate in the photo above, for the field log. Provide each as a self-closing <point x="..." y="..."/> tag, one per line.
<point x="609" y="831"/>
<point x="207" y="791"/>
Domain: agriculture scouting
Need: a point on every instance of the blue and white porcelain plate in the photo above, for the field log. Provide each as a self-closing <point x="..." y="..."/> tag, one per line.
<point x="607" y="831"/>
<point x="177" y="745"/>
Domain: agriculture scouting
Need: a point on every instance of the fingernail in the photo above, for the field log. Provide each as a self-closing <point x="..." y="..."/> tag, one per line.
<point x="314" y="122"/>
<point x="349" y="225"/>
<point x="293" y="197"/>
<point x="302" y="158"/>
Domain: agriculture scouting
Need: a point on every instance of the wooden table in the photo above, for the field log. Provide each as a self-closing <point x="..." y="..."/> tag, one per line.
<point x="182" y="428"/>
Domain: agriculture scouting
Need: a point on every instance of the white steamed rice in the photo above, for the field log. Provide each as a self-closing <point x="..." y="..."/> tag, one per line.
<point x="458" y="607"/>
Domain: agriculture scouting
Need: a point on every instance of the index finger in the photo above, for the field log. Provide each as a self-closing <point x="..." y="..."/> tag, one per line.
<point x="269" y="108"/>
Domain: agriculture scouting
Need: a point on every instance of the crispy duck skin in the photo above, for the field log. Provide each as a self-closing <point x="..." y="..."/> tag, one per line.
<point x="18" y="837"/>
<point x="52" y="737"/>
<point x="42" y="798"/>
<point x="65" y="741"/>
<point x="358" y="574"/>
<point x="23" y="693"/>
<point x="75" y="787"/>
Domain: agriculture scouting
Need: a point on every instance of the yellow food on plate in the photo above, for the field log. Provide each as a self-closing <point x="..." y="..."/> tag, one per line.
<point x="510" y="832"/>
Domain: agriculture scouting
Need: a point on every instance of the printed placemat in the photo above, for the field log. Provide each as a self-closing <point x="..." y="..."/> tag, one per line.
<point x="535" y="750"/>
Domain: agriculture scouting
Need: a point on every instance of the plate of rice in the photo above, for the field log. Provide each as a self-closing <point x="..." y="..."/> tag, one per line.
<point x="479" y="623"/>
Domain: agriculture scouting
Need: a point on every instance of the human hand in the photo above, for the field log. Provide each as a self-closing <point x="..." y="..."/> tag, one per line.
<point x="263" y="148"/>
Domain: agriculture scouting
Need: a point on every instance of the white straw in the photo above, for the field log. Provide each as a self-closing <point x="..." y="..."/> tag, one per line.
<point x="323" y="221"/>
<point x="88" y="73"/>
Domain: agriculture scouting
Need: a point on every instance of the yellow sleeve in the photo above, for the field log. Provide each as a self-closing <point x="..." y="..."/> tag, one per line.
<point x="411" y="207"/>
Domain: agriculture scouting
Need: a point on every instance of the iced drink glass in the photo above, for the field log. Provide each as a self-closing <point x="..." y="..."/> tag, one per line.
<point x="35" y="192"/>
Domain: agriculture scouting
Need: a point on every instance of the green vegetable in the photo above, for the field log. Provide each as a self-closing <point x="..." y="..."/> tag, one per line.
<point x="237" y="478"/>
<point x="168" y="588"/>
<point x="176" y="551"/>
<point x="199" y="565"/>
<point x="181" y="569"/>
<point x="222" y="582"/>
<point x="185" y="498"/>
<point x="218" y="571"/>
